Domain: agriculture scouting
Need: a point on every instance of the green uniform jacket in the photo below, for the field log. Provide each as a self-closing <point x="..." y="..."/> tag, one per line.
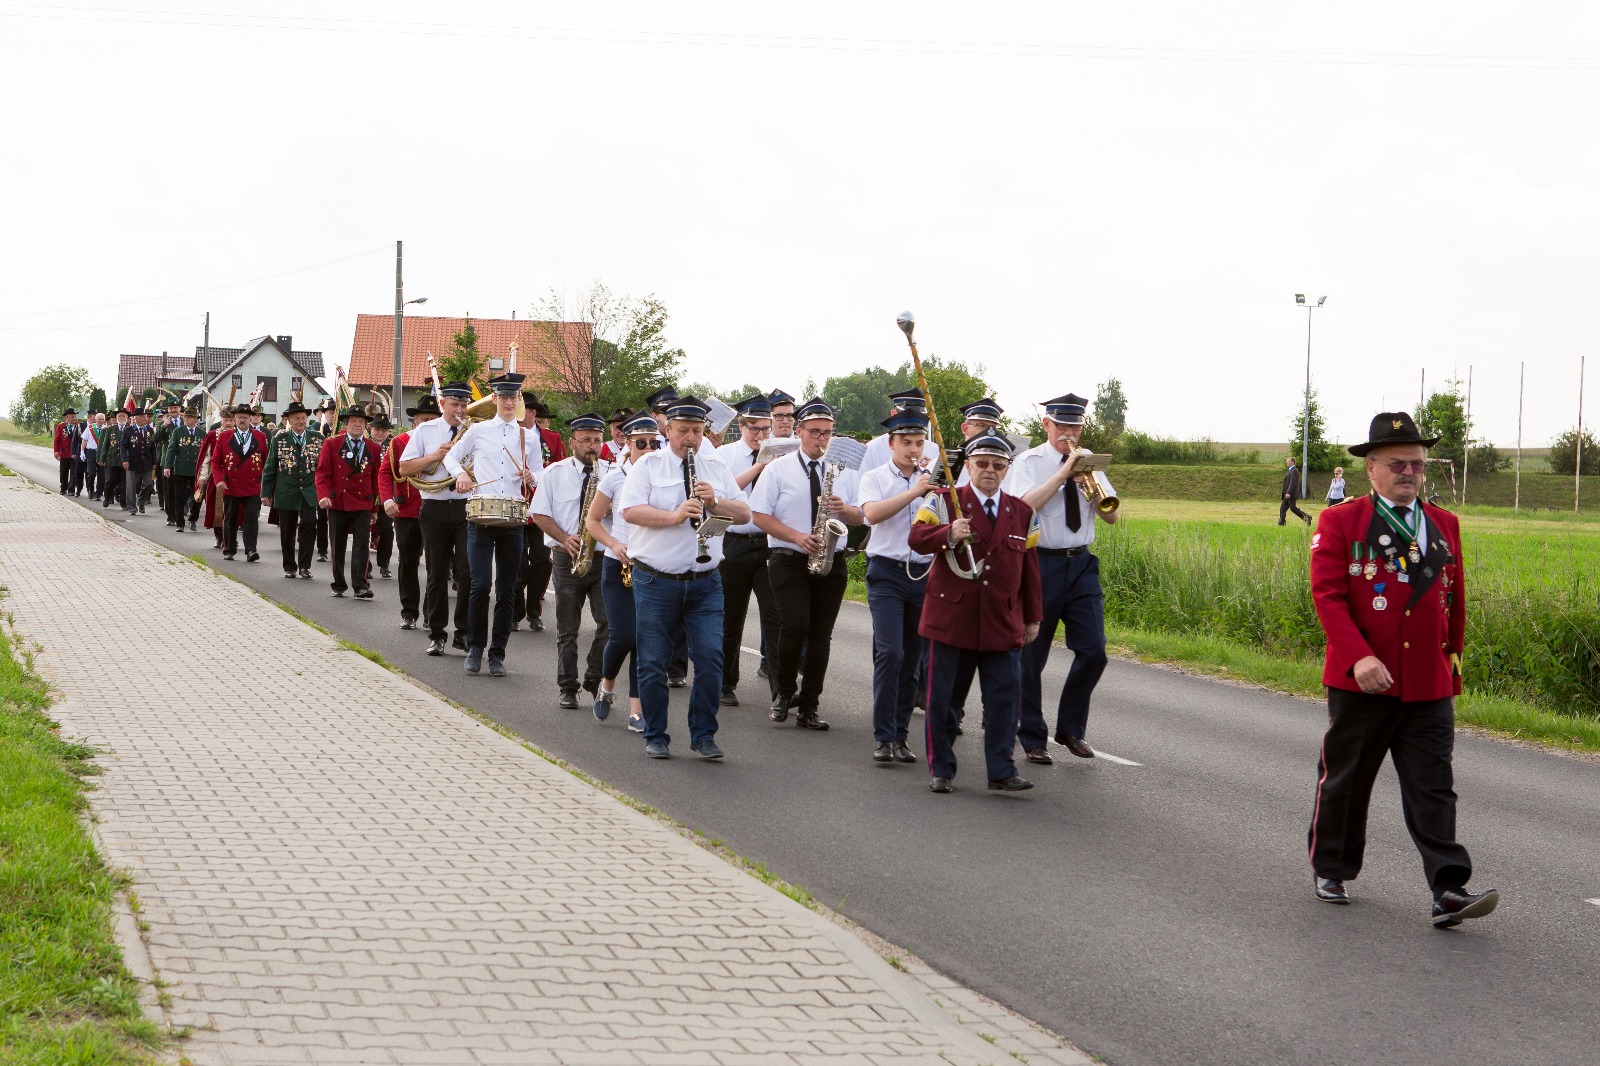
<point x="289" y="478"/>
<point x="110" y="446"/>
<point x="182" y="454"/>
<point x="160" y="433"/>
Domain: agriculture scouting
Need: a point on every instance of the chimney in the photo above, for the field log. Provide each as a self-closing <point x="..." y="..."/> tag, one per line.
<point x="287" y="344"/>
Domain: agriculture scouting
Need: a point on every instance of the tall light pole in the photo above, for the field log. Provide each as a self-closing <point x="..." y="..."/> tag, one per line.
<point x="397" y="398"/>
<point x="1305" y="425"/>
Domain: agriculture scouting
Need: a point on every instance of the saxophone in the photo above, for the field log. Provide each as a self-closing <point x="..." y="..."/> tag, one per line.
<point x="585" y="559"/>
<point x="826" y="529"/>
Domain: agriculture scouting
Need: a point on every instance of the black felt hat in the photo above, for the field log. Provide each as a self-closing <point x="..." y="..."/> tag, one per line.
<point x="1392" y="427"/>
<point x="427" y="405"/>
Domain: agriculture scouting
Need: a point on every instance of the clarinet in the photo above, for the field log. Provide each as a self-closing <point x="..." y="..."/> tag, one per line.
<point x="705" y="551"/>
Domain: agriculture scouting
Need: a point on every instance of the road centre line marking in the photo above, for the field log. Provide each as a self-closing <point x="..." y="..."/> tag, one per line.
<point x="1596" y="902"/>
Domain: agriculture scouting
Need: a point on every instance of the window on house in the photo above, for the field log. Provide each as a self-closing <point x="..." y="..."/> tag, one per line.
<point x="297" y="385"/>
<point x="238" y="382"/>
<point x="269" y="389"/>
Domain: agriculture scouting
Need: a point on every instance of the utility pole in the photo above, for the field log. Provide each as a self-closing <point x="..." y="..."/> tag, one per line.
<point x="1422" y="390"/>
<point x="1522" y="376"/>
<point x="1305" y="425"/>
<point x="1577" y="466"/>
<point x="397" y="401"/>
<point x="1466" y="439"/>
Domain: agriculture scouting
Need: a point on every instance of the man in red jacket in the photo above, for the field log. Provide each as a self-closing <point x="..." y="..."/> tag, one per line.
<point x="403" y="503"/>
<point x="1386" y="576"/>
<point x="979" y="624"/>
<point x="347" y="486"/>
<point x="68" y="439"/>
<point x="237" y="460"/>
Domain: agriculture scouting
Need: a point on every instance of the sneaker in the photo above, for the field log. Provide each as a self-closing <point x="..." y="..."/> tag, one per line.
<point x="497" y="666"/>
<point x="656" y="749"/>
<point x="1457" y="905"/>
<point x="383" y="572"/>
<point x="363" y="594"/>
<point x="568" y="701"/>
<point x="602" y="706"/>
<point x="436" y="646"/>
<point x="474" y="661"/>
<point x="408" y="623"/>
<point x="305" y="575"/>
<point x="1331" y="890"/>
<point x="635" y="724"/>
<point x="706" y="749"/>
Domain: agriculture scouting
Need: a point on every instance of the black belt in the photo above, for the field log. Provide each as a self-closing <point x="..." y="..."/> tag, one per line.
<point x="462" y="501"/>
<point x="1064" y="553"/>
<point x="692" y="575"/>
<point x="749" y="535"/>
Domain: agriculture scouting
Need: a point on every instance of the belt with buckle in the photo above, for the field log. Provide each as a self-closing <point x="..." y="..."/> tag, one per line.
<point x="691" y="575"/>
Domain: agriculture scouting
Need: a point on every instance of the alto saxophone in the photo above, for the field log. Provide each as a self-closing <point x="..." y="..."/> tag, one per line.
<point x="826" y="529"/>
<point x="585" y="557"/>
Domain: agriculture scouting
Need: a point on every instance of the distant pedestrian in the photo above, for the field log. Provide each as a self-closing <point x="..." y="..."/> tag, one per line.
<point x="1386" y="577"/>
<point x="1291" y="493"/>
<point x="1336" y="487"/>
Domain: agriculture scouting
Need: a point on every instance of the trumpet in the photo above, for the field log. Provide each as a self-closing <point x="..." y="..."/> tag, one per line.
<point x="1097" y="487"/>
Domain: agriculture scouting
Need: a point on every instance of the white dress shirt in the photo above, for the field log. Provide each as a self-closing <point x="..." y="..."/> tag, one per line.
<point x="739" y="459"/>
<point x="657" y="480"/>
<point x="878" y="453"/>
<point x="1030" y="470"/>
<point x="611" y="488"/>
<point x="561" y="489"/>
<point x="425" y="439"/>
<point x="784" y="492"/>
<point x="891" y="538"/>
<point x="490" y="447"/>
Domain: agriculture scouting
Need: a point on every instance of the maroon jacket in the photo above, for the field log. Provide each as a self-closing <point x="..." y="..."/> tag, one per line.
<point x="68" y="441"/>
<point x="987" y="614"/>
<point x="239" y="469"/>
<point x="1421" y="621"/>
<point x="351" y="482"/>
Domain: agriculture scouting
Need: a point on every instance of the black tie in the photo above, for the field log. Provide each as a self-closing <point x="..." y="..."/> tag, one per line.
<point x="1403" y="512"/>
<point x="816" y="490"/>
<point x="988" y="509"/>
<point x="1074" y="515"/>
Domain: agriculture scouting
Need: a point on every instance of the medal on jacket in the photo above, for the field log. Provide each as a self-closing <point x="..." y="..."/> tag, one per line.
<point x="1380" y="602"/>
<point x="1413" y="554"/>
<point x="1357" y="551"/>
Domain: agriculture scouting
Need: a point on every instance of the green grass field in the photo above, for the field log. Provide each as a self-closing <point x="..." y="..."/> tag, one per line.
<point x="65" y="996"/>
<point x="9" y="431"/>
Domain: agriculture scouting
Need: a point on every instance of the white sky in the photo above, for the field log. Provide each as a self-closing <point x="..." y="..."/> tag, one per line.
<point x="1060" y="191"/>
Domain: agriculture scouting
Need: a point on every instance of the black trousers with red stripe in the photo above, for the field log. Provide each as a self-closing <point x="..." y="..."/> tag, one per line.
<point x="1420" y="737"/>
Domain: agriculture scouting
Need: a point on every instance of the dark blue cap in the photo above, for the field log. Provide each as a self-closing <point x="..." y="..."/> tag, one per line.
<point x="754" y="407"/>
<point x="984" y="410"/>
<point x="687" y="409"/>
<point x="506" y="384"/>
<point x="456" y="390"/>
<point x="987" y="443"/>
<point x="661" y="398"/>
<point x="777" y="396"/>
<point x="909" y="400"/>
<point x="816" y="407"/>
<point x="640" y="424"/>
<point x="1066" y="410"/>
<point x="589" y="421"/>
<point x="906" y="422"/>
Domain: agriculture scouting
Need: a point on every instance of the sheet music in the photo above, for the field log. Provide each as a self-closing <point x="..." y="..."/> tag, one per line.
<point x="777" y="448"/>
<point x="713" y="526"/>
<point x="846" y="452"/>
<point x="720" y="415"/>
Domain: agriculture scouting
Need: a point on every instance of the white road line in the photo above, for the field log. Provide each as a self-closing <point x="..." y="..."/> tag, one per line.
<point x="1596" y="902"/>
<point x="750" y="651"/>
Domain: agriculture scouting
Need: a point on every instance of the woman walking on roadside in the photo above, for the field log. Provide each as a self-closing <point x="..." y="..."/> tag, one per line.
<point x="1336" y="487"/>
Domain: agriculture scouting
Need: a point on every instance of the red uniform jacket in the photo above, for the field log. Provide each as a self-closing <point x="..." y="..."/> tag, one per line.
<point x="68" y="443"/>
<point x="987" y="614"/>
<point x="239" y="468"/>
<point x="348" y="478"/>
<point x="1419" y="624"/>
<point x="390" y="487"/>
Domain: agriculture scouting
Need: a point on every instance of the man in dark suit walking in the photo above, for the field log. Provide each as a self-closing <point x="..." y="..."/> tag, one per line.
<point x="1291" y="493"/>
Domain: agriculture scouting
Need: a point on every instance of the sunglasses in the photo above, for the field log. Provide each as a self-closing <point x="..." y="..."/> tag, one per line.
<point x="989" y="464"/>
<point x="1400" y="466"/>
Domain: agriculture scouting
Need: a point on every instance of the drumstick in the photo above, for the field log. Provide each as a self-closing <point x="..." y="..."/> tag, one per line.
<point x="514" y="464"/>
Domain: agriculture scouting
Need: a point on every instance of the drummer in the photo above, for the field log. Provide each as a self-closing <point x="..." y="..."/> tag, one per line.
<point x="494" y="460"/>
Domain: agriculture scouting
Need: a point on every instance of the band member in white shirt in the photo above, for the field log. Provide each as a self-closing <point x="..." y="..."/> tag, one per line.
<point x="612" y="531"/>
<point x="558" y="511"/>
<point x="443" y="519"/>
<point x="878" y="447"/>
<point x="744" y="552"/>
<point x="897" y="578"/>
<point x="787" y="503"/>
<point x="1069" y="577"/>
<point x="675" y="581"/>
<point x="504" y="460"/>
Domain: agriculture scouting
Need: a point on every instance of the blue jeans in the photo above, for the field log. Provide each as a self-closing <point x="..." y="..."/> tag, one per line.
<point x="494" y="555"/>
<point x="896" y="605"/>
<point x="664" y="608"/>
<point x="620" y="626"/>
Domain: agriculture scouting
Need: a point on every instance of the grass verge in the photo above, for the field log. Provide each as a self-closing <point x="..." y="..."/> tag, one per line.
<point x="65" y="995"/>
<point x="1213" y="657"/>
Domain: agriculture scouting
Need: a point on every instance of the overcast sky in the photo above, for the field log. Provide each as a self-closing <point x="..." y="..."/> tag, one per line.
<point x="1062" y="192"/>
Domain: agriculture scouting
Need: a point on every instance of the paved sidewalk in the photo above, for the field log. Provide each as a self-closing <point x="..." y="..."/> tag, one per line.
<point x="337" y="866"/>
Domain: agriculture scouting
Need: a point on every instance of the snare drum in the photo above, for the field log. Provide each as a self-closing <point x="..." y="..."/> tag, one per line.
<point x="508" y="511"/>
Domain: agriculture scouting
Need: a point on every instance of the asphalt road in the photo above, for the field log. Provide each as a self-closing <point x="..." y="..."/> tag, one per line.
<point x="1155" y="913"/>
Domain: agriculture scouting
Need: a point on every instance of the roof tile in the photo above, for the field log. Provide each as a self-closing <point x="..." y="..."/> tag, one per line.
<point x="372" y="351"/>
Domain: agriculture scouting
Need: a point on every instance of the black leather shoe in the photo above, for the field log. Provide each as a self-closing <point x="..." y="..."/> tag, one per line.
<point x="459" y="643"/>
<point x="1011" y="784"/>
<point x="941" y="785"/>
<point x="436" y="646"/>
<point x="252" y="557"/>
<point x="321" y="558"/>
<point x="903" y="753"/>
<point x="1331" y="890"/>
<point x="677" y="682"/>
<point x="383" y="572"/>
<point x="1457" y="905"/>
<point x="569" y="701"/>
<point x="729" y="699"/>
<point x="780" y="709"/>
<point x="537" y="625"/>
<point x="809" y="720"/>
<point x="883" y="753"/>
<point x="1040" y="756"/>
<point x="761" y="671"/>
<point x="1077" y="745"/>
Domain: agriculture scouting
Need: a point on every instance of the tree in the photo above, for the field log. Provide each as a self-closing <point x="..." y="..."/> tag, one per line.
<point x="464" y="363"/>
<point x="626" y="358"/>
<point x="952" y="386"/>
<point x="1563" y="453"/>
<point x="1444" y="416"/>
<point x="97" y="399"/>
<point x="860" y="401"/>
<point x="49" y="392"/>
<point x="1111" y="408"/>
<point x="1485" y="458"/>
<point x="1324" y="455"/>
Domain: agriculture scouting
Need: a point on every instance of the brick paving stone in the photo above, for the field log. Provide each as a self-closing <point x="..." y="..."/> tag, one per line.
<point x="336" y="881"/>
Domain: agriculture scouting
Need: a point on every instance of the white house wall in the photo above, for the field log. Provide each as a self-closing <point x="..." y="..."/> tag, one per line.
<point x="268" y="361"/>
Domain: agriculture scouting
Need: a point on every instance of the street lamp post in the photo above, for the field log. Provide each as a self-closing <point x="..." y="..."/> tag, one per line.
<point x="398" y="396"/>
<point x="1305" y="424"/>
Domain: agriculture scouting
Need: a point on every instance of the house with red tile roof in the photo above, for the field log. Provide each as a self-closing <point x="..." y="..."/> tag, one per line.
<point x="269" y="362"/>
<point x="548" y="353"/>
